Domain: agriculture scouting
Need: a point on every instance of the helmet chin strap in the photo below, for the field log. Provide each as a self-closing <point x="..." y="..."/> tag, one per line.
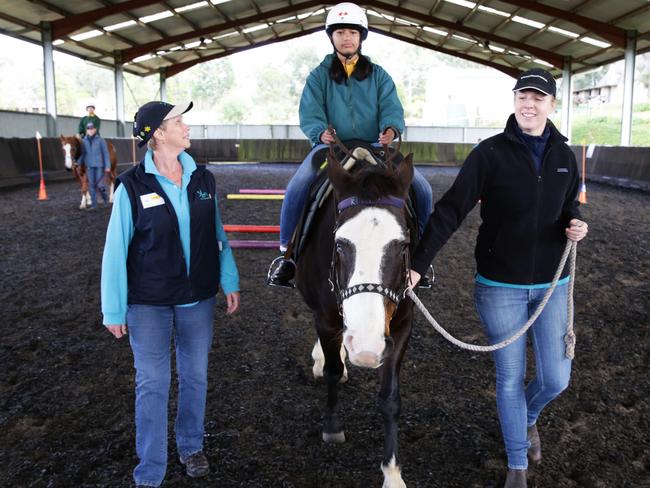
<point x="346" y="56"/>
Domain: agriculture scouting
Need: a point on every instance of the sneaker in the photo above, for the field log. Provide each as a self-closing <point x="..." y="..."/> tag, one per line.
<point x="196" y="465"/>
<point x="283" y="274"/>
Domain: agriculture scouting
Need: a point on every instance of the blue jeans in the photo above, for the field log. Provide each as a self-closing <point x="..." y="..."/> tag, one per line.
<point x="503" y="311"/>
<point x="151" y="328"/>
<point x="297" y="193"/>
<point x="96" y="183"/>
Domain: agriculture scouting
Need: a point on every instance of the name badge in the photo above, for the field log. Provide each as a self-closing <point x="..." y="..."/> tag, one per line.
<point x="151" y="200"/>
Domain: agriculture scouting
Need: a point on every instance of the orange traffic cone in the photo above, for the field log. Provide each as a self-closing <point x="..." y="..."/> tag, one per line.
<point x="42" y="193"/>
<point x="582" y="197"/>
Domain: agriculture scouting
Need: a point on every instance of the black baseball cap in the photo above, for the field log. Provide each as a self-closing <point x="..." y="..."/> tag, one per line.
<point x="149" y="117"/>
<point x="536" y="79"/>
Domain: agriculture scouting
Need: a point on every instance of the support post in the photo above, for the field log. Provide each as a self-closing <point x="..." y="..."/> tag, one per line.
<point x="163" y="86"/>
<point x="628" y="89"/>
<point x="567" y="102"/>
<point x="48" y="76"/>
<point x="119" y="95"/>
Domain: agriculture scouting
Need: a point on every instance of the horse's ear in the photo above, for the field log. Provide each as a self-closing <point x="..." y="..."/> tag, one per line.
<point x="405" y="173"/>
<point x="337" y="174"/>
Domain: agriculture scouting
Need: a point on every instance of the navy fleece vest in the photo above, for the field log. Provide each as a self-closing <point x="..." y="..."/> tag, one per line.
<point x="156" y="270"/>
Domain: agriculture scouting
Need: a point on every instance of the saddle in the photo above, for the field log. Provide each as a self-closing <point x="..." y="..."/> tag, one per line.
<point x="321" y="189"/>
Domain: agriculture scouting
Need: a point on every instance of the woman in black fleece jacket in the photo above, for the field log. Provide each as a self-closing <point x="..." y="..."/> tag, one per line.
<point x="526" y="180"/>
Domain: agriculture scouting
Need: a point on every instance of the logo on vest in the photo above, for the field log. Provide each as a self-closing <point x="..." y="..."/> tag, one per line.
<point x="203" y="195"/>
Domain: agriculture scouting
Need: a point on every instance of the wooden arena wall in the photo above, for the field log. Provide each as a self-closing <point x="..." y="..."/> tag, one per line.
<point x="625" y="166"/>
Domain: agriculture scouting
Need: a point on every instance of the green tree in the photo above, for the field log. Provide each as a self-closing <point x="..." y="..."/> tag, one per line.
<point x="234" y="110"/>
<point x="272" y="101"/>
<point x="590" y="79"/>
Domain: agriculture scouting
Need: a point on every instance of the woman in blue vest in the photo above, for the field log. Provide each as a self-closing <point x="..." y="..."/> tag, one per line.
<point x="359" y="100"/>
<point x="526" y="179"/>
<point x="165" y="256"/>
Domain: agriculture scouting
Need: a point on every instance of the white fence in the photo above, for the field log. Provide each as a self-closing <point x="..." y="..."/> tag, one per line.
<point x="21" y="124"/>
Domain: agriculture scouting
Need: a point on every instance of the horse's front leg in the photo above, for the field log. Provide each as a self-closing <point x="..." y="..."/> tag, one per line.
<point x="330" y="339"/>
<point x="319" y="361"/>
<point x="390" y="406"/>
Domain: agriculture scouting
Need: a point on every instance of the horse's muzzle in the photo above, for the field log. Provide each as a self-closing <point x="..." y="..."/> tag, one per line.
<point x="366" y="358"/>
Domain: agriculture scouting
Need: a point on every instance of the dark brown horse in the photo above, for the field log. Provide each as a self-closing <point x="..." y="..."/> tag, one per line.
<point x="71" y="146"/>
<point x="352" y="273"/>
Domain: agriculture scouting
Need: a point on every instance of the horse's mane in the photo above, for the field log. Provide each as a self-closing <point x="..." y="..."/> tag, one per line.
<point x="372" y="182"/>
<point x="72" y="140"/>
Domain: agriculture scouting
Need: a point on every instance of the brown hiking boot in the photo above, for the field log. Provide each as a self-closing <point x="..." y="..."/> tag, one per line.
<point x="196" y="465"/>
<point x="517" y="478"/>
<point x="535" y="449"/>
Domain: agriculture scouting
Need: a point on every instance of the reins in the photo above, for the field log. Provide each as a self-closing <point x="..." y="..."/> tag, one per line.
<point x="348" y="153"/>
<point x="569" y="338"/>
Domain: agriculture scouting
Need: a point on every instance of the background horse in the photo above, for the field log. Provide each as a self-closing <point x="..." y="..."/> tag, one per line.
<point x="71" y="146"/>
<point x="352" y="273"/>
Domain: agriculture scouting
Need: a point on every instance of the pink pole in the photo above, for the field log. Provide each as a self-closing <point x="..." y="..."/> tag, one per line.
<point x="252" y="228"/>
<point x="254" y="244"/>
<point x="257" y="191"/>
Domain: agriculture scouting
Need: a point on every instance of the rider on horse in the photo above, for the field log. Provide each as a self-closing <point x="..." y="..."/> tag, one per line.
<point x="91" y="118"/>
<point x="359" y="100"/>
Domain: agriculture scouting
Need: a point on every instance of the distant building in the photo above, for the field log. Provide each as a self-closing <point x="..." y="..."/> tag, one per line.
<point x="606" y="93"/>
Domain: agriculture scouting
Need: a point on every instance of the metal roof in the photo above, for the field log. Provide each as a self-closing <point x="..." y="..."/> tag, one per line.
<point x="172" y="35"/>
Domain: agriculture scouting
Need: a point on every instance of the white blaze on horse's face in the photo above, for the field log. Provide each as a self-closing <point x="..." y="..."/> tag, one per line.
<point x="365" y="317"/>
<point x="68" y="157"/>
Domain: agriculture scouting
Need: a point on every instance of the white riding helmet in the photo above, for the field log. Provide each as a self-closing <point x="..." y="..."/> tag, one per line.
<point x="347" y="15"/>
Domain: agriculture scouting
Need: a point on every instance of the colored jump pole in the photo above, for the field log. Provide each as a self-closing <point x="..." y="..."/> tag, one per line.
<point x="42" y="193"/>
<point x="253" y="244"/>
<point x="252" y="228"/>
<point x="261" y="191"/>
<point x="237" y="196"/>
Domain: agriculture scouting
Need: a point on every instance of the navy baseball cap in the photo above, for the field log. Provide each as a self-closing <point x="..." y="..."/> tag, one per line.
<point x="149" y="117"/>
<point x="90" y="125"/>
<point x="536" y="79"/>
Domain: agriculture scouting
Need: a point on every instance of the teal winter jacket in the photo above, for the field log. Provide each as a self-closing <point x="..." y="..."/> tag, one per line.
<point x="356" y="109"/>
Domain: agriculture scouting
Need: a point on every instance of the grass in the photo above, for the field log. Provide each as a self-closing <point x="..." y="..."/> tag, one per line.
<point x="607" y="130"/>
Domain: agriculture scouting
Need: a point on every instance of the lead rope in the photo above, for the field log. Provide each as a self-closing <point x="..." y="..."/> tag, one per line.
<point x="569" y="338"/>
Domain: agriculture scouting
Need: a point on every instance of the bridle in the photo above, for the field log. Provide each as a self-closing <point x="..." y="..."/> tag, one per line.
<point x="393" y="295"/>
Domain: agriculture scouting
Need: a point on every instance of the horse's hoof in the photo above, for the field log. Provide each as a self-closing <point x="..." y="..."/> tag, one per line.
<point x="334" y="438"/>
<point x="392" y="475"/>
